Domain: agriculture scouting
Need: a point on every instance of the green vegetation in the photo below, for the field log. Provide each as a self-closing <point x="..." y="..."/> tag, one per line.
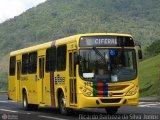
<point x="3" y="82"/>
<point x="149" y="71"/>
<point x="153" y="49"/>
<point x="60" y="18"/>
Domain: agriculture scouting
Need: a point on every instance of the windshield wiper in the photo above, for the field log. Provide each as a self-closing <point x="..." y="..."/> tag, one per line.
<point x="103" y="59"/>
<point x="99" y="54"/>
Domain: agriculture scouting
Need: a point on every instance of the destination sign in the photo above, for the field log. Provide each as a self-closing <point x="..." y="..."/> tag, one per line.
<point x="98" y="41"/>
<point x="102" y="41"/>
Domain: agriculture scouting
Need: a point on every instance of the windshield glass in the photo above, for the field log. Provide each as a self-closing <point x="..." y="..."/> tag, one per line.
<point x="109" y="65"/>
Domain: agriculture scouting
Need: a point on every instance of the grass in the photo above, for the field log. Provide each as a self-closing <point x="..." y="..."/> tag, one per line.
<point x="149" y="71"/>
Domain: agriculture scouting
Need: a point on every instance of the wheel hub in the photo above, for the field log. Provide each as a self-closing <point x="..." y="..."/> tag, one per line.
<point x="24" y="102"/>
<point x="63" y="102"/>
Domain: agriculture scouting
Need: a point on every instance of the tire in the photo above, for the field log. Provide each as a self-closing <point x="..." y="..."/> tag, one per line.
<point x="111" y="110"/>
<point x="62" y="105"/>
<point x="27" y="106"/>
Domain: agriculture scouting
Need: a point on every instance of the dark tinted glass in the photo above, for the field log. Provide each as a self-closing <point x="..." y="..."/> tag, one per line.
<point x="24" y="63"/>
<point x="32" y="67"/>
<point x="12" y="66"/>
<point x="50" y="59"/>
<point x="61" y="58"/>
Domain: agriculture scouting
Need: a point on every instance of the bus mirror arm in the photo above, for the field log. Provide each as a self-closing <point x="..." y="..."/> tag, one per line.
<point x="140" y="56"/>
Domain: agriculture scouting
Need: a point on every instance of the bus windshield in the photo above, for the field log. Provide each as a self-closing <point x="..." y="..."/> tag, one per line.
<point x="107" y="65"/>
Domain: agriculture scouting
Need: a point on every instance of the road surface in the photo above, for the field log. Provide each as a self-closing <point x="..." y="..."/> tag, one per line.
<point x="9" y="110"/>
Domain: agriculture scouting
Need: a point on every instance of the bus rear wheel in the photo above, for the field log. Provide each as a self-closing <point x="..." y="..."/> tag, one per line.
<point x="62" y="105"/>
<point x="27" y="106"/>
<point x="111" y="110"/>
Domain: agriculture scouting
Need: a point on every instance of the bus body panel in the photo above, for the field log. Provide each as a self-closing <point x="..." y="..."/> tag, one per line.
<point x="117" y="98"/>
<point x="12" y="88"/>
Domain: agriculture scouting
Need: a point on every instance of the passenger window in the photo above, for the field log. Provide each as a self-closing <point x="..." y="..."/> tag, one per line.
<point x="61" y="58"/>
<point x="50" y="59"/>
<point x="12" y="66"/>
<point x="24" y="63"/>
<point x="32" y="66"/>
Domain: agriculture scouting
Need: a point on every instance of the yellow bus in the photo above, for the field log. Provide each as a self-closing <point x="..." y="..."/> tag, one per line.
<point x="92" y="70"/>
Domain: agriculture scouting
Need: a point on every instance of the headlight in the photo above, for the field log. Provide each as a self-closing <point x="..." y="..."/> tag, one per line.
<point x="89" y="93"/>
<point x="85" y="91"/>
<point x="132" y="91"/>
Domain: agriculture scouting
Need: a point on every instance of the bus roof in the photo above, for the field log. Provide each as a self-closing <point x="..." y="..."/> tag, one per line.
<point x="60" y="42"/>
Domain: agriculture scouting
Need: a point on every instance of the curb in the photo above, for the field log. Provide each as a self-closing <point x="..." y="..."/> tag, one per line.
<point x="3" y="92"/>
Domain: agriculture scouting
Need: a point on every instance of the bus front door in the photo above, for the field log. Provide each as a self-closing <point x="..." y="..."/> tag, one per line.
<point x="18" y="82"/>
<point x="72" y="78"/>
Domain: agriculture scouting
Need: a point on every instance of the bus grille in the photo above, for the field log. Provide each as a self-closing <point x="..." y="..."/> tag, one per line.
<point x="111" y="100"/>
<point x="118" y="87"/>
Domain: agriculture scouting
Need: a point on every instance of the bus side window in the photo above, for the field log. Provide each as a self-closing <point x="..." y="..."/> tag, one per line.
<point x="50" y="59"/>
<point x="32" y="66"/>
<point x="61" y="58"/>
<point x="25" y="63"/>
<point x="12" y="66"/>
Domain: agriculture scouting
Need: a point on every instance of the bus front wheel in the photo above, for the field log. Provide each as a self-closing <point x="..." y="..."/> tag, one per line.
<point x="27" y="106"/>
<point x="62" y="105"/>
<point x="111" y="110"/>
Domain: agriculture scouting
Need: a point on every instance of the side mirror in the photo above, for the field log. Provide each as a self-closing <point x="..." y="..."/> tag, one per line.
<point x="140" y="56"/>
<point x="76" y="59"/>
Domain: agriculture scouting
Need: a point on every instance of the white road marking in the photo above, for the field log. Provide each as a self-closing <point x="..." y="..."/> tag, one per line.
<point x="6" y="101"/>
<point x="141" y="102"/>
<point x="3" y="101"/>
<point x="149" y="104"/>
<point x="12" y="111"/>
<point x="54" y="118"/>
<point x="8" y="110"/>
<point x="143" y="106"/>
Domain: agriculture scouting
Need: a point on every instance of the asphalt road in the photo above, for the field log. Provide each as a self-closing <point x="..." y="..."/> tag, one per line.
<point x="10" y="110"/>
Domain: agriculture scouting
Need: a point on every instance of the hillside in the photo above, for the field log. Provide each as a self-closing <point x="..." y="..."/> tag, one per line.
<point x="150" y="75"/>
<point x="59" y="18"/>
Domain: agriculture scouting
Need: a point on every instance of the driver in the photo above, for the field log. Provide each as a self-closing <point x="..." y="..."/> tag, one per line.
<point x="116" y="59"/>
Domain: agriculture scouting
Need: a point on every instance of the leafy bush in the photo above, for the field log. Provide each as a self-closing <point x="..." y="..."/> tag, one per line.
<point x="153" y="49"/>
<point x="3" y="81"/>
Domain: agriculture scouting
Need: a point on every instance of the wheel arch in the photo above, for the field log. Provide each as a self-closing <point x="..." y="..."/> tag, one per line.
<point x="59" y="91"/>
<point x="24" y="89"/>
